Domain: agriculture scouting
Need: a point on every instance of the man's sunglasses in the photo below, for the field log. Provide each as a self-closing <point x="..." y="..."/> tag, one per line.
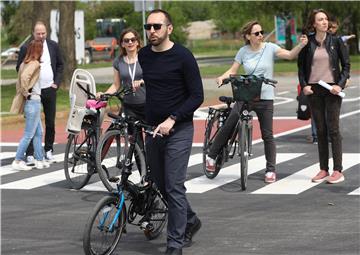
<point x="128" y="40"/>
<point x="258" y="33"/>
<point x="156" y="26"/>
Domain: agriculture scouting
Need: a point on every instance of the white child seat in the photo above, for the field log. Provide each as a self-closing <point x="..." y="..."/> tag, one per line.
<point x="78" y="99"/>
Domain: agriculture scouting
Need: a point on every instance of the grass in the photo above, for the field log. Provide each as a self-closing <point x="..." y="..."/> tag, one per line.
<point x="62" y="101"/>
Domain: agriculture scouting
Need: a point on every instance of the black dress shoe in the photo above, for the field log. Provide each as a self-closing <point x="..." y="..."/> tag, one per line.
<point x="173" y="251"/>
<point x="190" y="231"/>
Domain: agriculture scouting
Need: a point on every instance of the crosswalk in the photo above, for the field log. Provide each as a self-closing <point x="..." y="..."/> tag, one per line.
<point x="293" y="184"/>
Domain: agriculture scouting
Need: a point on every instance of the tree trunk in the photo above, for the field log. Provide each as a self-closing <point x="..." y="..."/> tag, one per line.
<point x="41" y="12"/>
<point x="67" y="40"/>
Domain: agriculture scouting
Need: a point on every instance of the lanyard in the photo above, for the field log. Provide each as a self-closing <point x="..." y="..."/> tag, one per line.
<point x="132" y="73"/>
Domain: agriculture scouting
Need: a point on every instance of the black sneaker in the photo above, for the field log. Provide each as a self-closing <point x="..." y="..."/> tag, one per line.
<point x="315" y="141"/>
<point x="173" y="251"/>
<point x="190" y="231"/>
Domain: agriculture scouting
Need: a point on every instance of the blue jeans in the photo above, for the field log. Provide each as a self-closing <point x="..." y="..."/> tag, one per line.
<point x="33" y="130"/>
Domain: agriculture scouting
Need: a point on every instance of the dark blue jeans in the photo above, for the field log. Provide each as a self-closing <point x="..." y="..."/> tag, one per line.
<point x="325" y="110"/>
<point x="168" y="158"/>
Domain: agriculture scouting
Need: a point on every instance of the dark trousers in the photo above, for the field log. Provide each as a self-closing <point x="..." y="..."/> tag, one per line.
<point x="325" y="109"/>
<point x="264" y="109"/>
<point x="168" y="158"/>
<point x="48" y="100"/>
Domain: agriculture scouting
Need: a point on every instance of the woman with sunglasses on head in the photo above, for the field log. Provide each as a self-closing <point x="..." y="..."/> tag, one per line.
<point x="321" y="60"/>
<point x="28" y="87"/>
<point x="128" y="73"/>
<point x="258" y="58"/>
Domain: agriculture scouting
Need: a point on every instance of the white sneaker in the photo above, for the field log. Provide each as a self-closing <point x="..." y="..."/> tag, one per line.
<point x="30" y="161"/>
<point x="49" y="157"/>
<point x="40" y="164"/>
<point x="20" y="165"/>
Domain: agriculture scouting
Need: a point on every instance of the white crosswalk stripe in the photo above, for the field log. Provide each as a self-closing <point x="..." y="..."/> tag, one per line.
<point x="6" y="155"/>
<point x="231" y="173"/>
<point x="5" y="170"/>
<point x="355" y="192"/>
<point x="295" y="183"/>
<point x="98" y="186"/>
<point x="301" y="181"/>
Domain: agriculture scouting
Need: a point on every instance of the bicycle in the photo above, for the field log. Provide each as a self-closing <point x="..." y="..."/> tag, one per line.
<point x="107" y="222"/>
<point x="80" y="150"/>
<point x="109" y="154"/>
<point x="245" y="88"/>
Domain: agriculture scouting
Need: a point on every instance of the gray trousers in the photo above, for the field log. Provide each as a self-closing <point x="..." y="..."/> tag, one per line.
<point x="168" y="158"/>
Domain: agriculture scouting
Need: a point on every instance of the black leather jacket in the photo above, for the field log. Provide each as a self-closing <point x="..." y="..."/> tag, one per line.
<point x="338" y="54"/>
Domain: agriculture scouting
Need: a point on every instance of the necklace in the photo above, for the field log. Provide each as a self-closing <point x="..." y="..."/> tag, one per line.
<point x="131" y="72"/>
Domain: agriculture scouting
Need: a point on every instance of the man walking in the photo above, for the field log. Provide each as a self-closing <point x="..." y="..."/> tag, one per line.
<point x="173" y="92"/>
<point x="51" y="69"/>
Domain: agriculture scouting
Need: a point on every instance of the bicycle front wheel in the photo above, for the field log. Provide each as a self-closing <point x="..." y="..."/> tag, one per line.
<point x="77" y="160"/>
<point x="211" y="131"/>
<point x="111" y="155"/>
<point x="104" y="227"/>
<point x="244" y="154"/>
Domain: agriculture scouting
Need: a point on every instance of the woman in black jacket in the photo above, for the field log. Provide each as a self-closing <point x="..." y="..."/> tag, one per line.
<point x="321" y="59"/>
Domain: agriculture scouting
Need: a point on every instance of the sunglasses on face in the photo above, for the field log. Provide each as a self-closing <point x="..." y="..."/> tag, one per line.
<point x="128" y="40"/>
<point x="258" y="33"/>
<point x="156" y="26"/>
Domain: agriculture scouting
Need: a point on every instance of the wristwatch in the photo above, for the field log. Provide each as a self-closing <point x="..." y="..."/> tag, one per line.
<point x="173" y="117"/>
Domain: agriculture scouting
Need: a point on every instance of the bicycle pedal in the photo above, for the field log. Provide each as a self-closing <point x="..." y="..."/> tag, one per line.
<point x="147" y="226"/>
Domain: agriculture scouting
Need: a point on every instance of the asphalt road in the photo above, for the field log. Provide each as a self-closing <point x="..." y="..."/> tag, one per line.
<point x="40" y="215"/>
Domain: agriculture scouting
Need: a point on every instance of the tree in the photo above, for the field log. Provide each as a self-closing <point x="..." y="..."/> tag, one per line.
<point x="67" y="40"/>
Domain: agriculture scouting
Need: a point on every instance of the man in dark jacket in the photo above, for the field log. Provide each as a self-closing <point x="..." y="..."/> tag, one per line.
<point x="173" y="92"/>
<point x="50" y="78"/>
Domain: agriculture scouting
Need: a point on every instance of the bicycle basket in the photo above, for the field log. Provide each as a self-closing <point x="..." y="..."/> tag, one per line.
<point x="246" y="87"/>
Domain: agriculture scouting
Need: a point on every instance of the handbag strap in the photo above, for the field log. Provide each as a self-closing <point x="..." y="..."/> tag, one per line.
<point x="262" y="52"/>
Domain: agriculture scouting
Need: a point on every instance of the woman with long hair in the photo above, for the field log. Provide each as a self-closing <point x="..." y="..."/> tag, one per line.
<point x="258" y="58"/>
<point x="128" y="73"/>
<point x="321" y="60"/>
<point x="28" y="85"/>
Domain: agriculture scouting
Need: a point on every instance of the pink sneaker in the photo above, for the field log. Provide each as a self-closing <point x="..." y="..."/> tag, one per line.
<point x="321" y="176"/>
<point x="210" y="164"/>
<point x="270" y="177"/>
<point x="336" y="177"/>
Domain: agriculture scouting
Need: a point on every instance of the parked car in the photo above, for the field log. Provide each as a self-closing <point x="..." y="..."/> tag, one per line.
<point x="11" y="52"/>
<point x="102" y="48"/>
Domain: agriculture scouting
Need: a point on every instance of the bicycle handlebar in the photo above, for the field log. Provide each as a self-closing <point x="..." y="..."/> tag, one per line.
<point x="106" y="96"/>
<point x="244" y="78"/>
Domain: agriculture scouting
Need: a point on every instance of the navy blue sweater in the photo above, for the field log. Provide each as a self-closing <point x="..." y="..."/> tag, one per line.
<point x="173" y="84"/>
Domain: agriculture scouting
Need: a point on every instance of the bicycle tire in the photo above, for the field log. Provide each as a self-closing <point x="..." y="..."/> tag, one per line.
<point x="250" y="137"/>
<point x="77" y="170"/>
<point x="244" y="154"/>
<point x="211" y="130"/>
<point x="98" y="239"/>
<point x="158" y="217"/>
<point x="110" y="159"/>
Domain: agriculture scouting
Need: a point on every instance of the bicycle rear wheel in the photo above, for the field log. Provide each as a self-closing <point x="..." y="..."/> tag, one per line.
<point x="104" y="227"/>
<point x="110" y="158"/>
<point x="211" y="131"/>
<point x="158" y="217"/>
<point x="244" y="153"/>
<point x="77" y="166"/>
